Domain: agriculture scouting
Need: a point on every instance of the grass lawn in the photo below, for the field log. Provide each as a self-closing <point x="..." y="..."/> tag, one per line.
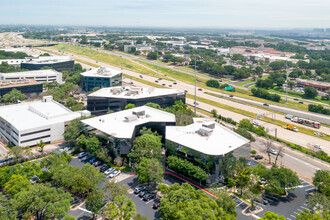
<point x="245" y="82"/>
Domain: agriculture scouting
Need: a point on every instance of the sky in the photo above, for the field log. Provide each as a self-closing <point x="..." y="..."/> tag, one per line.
<point x="267" y="14"/>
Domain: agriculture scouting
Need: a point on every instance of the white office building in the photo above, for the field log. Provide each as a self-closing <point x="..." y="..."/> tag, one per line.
<point x="42" y="76"/>
<point x="26" y="124"/>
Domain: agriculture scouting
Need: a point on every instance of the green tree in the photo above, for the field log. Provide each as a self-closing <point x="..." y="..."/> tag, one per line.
<point x="272" y="216"/>
<point x="259" y="70"/>
<point x="41" y="145"/>
<point x="129" y="106"/>
<point x="310" y="92"/>
<point x="73" y="131"/>
<point x="114" y="189"/>
<point x="242" y="178"/>
<point x="227" y="203"/>
<point x="152" y="55"/>
<point x="7" y="209"/>
<point x="307" y="215"/>
<point x="121" y="208"/>
<point x="140" y="217"/>
<point x="17" y="152"/>
<point x="153" y="105"/>
<point x="13" y="96"/>
<point x="146" y="146"/>
<point x="43" y="201"/>
<point x="69" y="217"/>
<point x="16" y="184"/>
<point x="94" y="202"/>
<point x="319" y="203"/>
<point x="212" y="83"/>
<point x="321" y="181"/>
<point x="291" y="84"/>
<point x="150" y="171"/>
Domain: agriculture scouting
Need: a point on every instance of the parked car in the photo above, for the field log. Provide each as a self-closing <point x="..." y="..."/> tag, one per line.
<point x="272" y="151"/>
<point x="170" y="85"/>
<point x="220" y="80"/>
<point x="156" y="204"/>
<point x="265" y="201"/>
<point x="97" y="163"/>
<point x="104" y="168"/>
<point x="143" y="192"/>
<point x="141" y="76"/>
<point x="115" y="173"/>
<point x="149" y="196"/>
<point x="200" y="89"/>
<point x="266" y="104"/>
<point x="86" y="158"/>
<point x="163" y="84"/>
<point x="82" y="154"/>
<point x="93" y="160"/>
<point x="186" y="91"/>
<point x="256" y="123"/>
<point x="318" y="134"/>
<point x="258" y="157"/>
<point x="138" y="189"/>
<point x="108" y="171"/>
<point x="159" y="78"/>
<point x="318" y="146"/>
<point x="301" y="102"/>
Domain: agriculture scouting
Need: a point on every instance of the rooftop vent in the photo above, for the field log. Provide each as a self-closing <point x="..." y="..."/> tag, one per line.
<point x="204" y="131"/>
<point x="101" y="70"/>
<point x="139" y="113"/>
<point x="48" y="98"/>
<point x="210" y="125"/>
<point x="130" y="118"/>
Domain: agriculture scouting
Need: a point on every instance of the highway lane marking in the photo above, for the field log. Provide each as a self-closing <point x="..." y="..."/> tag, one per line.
<point x="317" y="168"/>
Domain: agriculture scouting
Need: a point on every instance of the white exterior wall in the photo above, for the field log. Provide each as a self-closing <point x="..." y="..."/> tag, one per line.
<point x="42" y="78"/>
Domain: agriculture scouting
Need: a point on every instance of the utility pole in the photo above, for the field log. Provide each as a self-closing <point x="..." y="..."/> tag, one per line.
<point x="286" y="85"/>
<point x="195" y="85"/>
<point x="157" y="58"/>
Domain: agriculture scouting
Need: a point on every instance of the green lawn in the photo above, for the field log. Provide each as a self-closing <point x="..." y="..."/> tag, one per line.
<point x="245" y="82"/>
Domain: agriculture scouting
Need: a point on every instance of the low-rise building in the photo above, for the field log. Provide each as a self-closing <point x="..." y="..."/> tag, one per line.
<point x="116" y="98"/>
<point x="26" y="124"/>
<point x="206" y="141"/>
<point x="58" y="63"/>
<point x="29" y="87"/>
<point x="100" y="77"/>
<point x="42" y="76"/>
<point x="321" y="86"/>
<point x="125" y="125"/>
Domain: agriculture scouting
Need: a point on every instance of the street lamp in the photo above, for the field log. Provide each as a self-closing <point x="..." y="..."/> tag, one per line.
<point x="195" y="85"/>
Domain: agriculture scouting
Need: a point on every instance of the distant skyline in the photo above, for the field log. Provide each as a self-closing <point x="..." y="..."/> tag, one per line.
<point x="244" y="14"/>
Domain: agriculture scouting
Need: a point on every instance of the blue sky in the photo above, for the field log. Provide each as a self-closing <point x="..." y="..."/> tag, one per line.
<point x="169" y="13"/>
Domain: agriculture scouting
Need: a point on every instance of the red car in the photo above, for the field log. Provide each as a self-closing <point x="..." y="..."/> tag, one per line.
<point x="200" y="89"/>
<point x="141" y="76"/>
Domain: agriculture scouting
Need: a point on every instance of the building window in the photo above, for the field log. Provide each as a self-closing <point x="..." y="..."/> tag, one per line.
<point x="35" y="132"/>
<point x="33" y="139"/>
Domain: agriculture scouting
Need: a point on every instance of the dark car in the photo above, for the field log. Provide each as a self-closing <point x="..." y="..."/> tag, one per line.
<point x="138" y="189"/>
<point x="266" y="104"/>
<point x="301" y="102"/>
<point x="156" y="204"/>
<point x="149" y="196"/>
<point x="93" y="160"/>
<point x="163" y="84"/>
<point x="143" y="192"/>
<point x="104" y="168"/>
<point x="159" y="78"/>
<point x="85" y="159"/>
<point x="296" y="99"/>
<point x="265" y="201"/>
<point x="156" y="81"/>
<point x="174" y="83"/>
<point x="231" y="96"/>
<point x="97" y="163"/>
<point x="170" y="85"/>
<point x="258" y="157"/>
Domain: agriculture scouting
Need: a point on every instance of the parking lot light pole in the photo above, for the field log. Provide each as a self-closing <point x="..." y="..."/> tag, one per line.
<point x="195" y="85"/>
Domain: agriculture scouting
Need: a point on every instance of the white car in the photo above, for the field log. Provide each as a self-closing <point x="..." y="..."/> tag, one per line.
<point x="116" y="173"/>
<point x="318" y="146"/>
<point x="256" y="123"/>
<point x="108" y="171"/>
<point x="273" y="151"/>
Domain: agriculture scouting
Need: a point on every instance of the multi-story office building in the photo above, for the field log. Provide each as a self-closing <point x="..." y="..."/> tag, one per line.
<point x="42" y="76"/>
<point x="26" y="124"/>
<point x="100" y="77"/>
<point x="29" y="87"/>
<point x="116" y="98"/>
<point x="125" y="125"/>
<point x="206" y="141"/>
<point x="59" y="63"/>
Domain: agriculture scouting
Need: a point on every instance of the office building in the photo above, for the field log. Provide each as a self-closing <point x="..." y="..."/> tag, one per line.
<point x="100" y="77"/>
<point x="29" y="87"/>
<point x="125" y="125"/>
<point x="26" y="124"/>
<point x="42" y="76"/>
<point x="116" y="98"/>
<point x="204" y="140"/>
<point x="59" y="63"/>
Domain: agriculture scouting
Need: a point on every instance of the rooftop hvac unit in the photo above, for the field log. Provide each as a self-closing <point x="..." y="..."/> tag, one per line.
<point x="210" y="125"/>
<point x="139" y="113"/>
<point x="130" y="118"/>
<point x="205" y="131"/>
<point x="48" y="98"/>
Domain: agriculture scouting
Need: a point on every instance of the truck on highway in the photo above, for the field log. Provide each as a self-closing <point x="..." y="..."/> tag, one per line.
<point x="304" y="121"/>
<point x="291" y="128"/>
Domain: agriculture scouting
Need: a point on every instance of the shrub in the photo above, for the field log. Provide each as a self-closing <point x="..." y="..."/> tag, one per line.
<point x="163" y="188"/>
<point x="212" y="83"/>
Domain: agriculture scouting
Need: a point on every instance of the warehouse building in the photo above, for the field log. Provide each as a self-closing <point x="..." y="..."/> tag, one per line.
<point x="100" y="77"/>
<point x="206" y="140"/>
<point x="116" y="98"/>
<point x="42" y="76"/>
<point x="26" y="124"/>
<point x="29" y="87"/>
<point x="125" y="125"/>
<point x="59" y="63"/>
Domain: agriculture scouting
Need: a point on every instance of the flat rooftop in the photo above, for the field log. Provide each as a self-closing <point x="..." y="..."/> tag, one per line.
<point x="47" y="59"/>
<point x="122" y="124"/>
<point x="206" y="136"/>
<point x="17" y="82"/>
<point x="101" y="72"/>
<point x="133" y="92"/>
<point x="33" y="72"/>
<point x="40" y="113"/>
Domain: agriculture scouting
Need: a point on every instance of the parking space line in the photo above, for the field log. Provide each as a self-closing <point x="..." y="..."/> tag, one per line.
<point x="239" y="204"/>
<point x="260" y="204"/>
<point x="149" y="201"/>
<point x="299" y="210"/>
<point x="288" y="218"/>
<point x="85" y="210"/>
<point x="310" y="189"/>
<point x="295" y="213"/>
<point x="305" y="208"/>
<point x="293" y="216"/>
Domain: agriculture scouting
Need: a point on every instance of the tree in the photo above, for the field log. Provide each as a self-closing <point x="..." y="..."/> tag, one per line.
<point x="69" y="217"/>
<point x="268" y="149"/>
<point x="272" y="216"/>
<point x="132" y="50"/>
<point x="129" y="106"/>
<point x="321" y="181"/>
<point x="7" y="209"/>
<point x="243" y="132"/>
<point x="150" y="171"/>
<point x="13" y="96"/>
<point x="227" y="203"/>
<point x="17" y="152"/>
<point x="72" y="131"/>
<point x="121" y="208"/>
<point x="140" y="217"/>
<point x="152" y="56"/>
<point x="113" y="189"/>
<point x="310" y="92"/>
<point x="242" y="177"/>
<point x="319" y="203"/>
<point x="184" y="202"/>
<point x="212" y="83"/>
<point x="16" y="184"/>
<point x="43" y="201"/>
<point x="146" y="146"/>
<point x="259" y="70"/>
<point x="41" y="145"/>
<point x="291" y="84"/>
<point x="253" y="197"/>
<point x="280" y="153"/>
<point x="94" y="202"/>
<point x="307" y="215"/>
